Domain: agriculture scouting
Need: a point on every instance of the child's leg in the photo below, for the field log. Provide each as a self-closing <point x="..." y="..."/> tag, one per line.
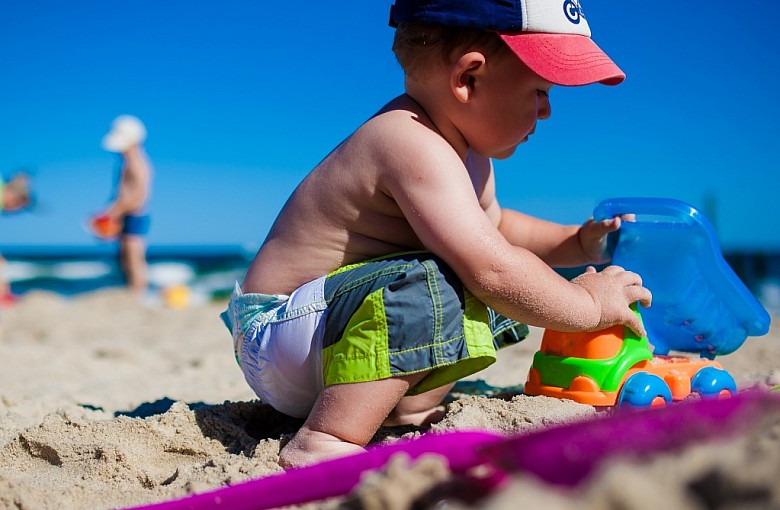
<point x="133" y="261"/>
<point x="422" y="409"/>
<point x="344" y="419"/>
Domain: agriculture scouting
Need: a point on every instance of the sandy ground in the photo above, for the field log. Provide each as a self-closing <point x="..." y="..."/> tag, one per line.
<point x="107" y="403"/>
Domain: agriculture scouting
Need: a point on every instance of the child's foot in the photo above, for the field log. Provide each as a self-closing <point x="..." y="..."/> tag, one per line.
<point x="310" y="446"/>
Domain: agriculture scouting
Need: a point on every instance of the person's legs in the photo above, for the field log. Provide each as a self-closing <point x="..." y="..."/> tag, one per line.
<point x="344" y="419"/>
<point x="422" y="409"/>
<point x="132" y="255"/>
<point x="3" y="282"/>
<point x="398" y="333"/>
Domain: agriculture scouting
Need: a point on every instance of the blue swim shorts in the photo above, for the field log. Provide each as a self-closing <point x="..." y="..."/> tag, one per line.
<point x="387" y="317"/>
<point x="136" y="224"/>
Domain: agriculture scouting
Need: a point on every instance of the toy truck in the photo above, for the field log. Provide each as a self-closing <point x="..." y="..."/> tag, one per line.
<point x="617" y="367"/>
<point x="699" y="306"/>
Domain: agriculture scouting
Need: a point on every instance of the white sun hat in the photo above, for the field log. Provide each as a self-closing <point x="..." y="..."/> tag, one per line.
<point x="126" y="131"/>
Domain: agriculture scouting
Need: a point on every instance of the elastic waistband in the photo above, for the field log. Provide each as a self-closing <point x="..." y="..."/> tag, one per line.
<point x="243" y="309"/>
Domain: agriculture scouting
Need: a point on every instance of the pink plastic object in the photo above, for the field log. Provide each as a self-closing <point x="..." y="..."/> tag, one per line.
<point x="335" y="477"/>
<point x="564" y="455"/>
<point x="567" y="455"/>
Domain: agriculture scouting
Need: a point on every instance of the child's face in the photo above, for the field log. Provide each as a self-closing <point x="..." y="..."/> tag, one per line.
<point x="511" y="101"/>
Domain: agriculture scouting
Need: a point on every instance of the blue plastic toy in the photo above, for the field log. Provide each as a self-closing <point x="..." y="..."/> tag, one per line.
<point x="699" y="303"/>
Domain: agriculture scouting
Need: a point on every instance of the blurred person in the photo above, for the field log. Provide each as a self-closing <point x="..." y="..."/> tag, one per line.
<point x="126" y="217"/>
<point x="15" y="196"/>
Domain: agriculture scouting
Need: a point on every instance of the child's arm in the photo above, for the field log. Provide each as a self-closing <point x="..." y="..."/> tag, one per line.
<point x="559" y="245"/>
<point x="436" y="196"/>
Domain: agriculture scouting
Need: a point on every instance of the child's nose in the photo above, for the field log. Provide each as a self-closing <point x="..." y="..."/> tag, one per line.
<point x="543" y="108"/>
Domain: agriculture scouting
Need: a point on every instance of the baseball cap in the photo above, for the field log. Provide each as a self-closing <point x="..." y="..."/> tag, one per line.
<point x="552" y="37"/>
<point x="126" y="131"/>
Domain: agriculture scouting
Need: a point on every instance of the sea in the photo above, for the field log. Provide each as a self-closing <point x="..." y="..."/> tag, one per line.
<point x="209" y="272"/>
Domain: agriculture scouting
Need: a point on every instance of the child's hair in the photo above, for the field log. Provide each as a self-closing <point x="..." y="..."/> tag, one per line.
<point x="419" y="48"/>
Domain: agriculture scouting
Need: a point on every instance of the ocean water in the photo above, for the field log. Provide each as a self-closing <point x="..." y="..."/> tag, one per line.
<point x="209" y="272"/>
<point x="761" y="273"/>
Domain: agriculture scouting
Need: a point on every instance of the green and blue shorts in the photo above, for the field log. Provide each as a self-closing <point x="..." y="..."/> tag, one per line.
<point x="382" y="318"/>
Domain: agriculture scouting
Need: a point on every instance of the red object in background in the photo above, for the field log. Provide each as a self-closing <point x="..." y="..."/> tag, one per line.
<point x="104" y="226"/>
<point x="7" y="300"/>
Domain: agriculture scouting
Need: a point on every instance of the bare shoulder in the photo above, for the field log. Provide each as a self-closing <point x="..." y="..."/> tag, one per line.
<point x="447" y="198"/>
<point x="401" y="136"/>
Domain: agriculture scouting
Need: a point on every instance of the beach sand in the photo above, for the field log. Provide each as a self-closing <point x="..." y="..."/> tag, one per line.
<point x="108" y="403"/>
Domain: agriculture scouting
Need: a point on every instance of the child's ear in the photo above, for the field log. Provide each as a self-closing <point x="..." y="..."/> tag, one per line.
<point x="464" y="75"/>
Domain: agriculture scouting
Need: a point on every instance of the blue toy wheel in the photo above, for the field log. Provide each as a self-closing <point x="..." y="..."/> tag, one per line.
<point x="641" y="389"/>
<point x="710" y="381"/>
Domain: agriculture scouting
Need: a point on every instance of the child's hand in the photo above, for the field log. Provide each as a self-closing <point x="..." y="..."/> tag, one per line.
<point x="593" y="237"/>
<point x="613" y="290"/>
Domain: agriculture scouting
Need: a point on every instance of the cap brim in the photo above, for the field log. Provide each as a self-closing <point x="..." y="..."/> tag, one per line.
<point x="565" y="59"/>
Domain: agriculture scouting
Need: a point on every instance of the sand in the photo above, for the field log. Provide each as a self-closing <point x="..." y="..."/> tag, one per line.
<point x="108" y="403"/>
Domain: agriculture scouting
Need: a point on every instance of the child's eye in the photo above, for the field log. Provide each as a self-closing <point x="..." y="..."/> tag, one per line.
<point x="542" y="93"/>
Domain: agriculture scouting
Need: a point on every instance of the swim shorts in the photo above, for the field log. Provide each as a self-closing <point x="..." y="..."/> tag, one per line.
<point x="382" y="318"/>
<point x="136" y="224"/>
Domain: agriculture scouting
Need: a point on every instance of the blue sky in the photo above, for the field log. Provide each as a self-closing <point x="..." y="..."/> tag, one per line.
<point x="242" y="98"/>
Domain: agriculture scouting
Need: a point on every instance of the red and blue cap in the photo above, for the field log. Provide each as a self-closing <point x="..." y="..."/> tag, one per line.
<point x="552" y="37"/>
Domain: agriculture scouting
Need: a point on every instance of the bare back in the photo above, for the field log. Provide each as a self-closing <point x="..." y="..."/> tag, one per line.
<point x="344" y="211"/>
